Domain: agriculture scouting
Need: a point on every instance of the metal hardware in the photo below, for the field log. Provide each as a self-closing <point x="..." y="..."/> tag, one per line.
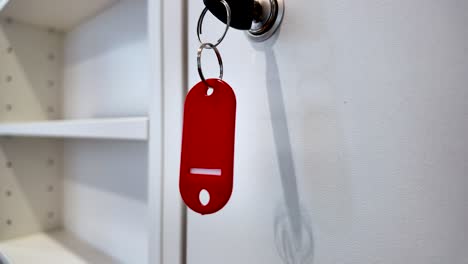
<point x="269" y="18"/>
<point x="228" y="23"/>
<point x="218" y="55"/>
<point x="260" y="18"/>
<point x="4" y="259"/>
<point x="3" y="3"/>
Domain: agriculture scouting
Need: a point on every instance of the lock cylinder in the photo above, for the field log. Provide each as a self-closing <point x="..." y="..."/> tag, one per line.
<point x="259" y="18"/>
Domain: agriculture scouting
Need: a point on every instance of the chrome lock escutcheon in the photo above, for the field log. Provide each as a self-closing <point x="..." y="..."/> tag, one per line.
<point x="260" y="18"/>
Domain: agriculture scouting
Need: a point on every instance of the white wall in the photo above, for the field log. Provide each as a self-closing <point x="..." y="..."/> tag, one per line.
<point x="351" y="139"/>
<point x="106" y="74"/>
<point x="106" y="64"/>
<point x="105" y="197"/>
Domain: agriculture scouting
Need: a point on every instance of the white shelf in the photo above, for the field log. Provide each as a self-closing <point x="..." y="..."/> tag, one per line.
<point x="56" y="247"/>
<point x="59" y="14"/>
<point x="134" y="128"/>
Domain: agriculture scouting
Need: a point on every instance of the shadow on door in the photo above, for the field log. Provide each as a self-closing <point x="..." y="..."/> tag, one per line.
<point x="292" y="226"/>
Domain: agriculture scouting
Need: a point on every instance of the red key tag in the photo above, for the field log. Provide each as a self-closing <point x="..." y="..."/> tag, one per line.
<point x="207" y="160"/>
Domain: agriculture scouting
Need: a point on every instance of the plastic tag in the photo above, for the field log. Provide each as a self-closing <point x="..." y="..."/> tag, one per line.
<point x="207" y="160"/>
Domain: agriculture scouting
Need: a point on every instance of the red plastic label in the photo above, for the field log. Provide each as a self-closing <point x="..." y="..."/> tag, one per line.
<point x="207" y="161"/>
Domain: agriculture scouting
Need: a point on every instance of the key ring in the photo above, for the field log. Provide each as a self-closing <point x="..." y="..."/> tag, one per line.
<point x="218" y="55"/>
<point x="228" y="23"/>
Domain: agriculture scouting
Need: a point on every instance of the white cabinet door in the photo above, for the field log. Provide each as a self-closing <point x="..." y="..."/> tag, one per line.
<point x="351" y="137"/>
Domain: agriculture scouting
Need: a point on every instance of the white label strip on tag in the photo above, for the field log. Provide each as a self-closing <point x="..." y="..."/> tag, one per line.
<point x="200" y="171"/>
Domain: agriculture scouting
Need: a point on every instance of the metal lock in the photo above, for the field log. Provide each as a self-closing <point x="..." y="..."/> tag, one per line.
<point x="260" y="18"/>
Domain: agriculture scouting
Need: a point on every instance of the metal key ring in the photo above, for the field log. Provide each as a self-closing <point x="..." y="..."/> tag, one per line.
<point x="228" y="23"/>
<point x="218" y="55"/>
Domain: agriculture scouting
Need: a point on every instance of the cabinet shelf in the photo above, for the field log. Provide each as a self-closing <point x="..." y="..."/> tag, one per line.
<point x="76" y="82"/>
<point x="56" y="247"/>
<point x="133" y="128"/>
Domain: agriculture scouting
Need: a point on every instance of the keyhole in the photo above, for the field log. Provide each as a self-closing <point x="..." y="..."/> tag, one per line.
<point x="204" y="197"/>
<point x="209" y="91"/>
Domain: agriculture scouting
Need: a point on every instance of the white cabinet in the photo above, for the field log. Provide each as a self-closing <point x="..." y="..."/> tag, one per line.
<point x="75" y="97"/>
<point x="351" y="142"/>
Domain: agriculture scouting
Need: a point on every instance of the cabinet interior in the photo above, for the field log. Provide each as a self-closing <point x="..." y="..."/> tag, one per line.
<point x="78" y="199"/>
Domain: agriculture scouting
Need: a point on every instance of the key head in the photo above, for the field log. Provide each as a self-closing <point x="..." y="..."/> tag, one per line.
<point x="242" y="12"/>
